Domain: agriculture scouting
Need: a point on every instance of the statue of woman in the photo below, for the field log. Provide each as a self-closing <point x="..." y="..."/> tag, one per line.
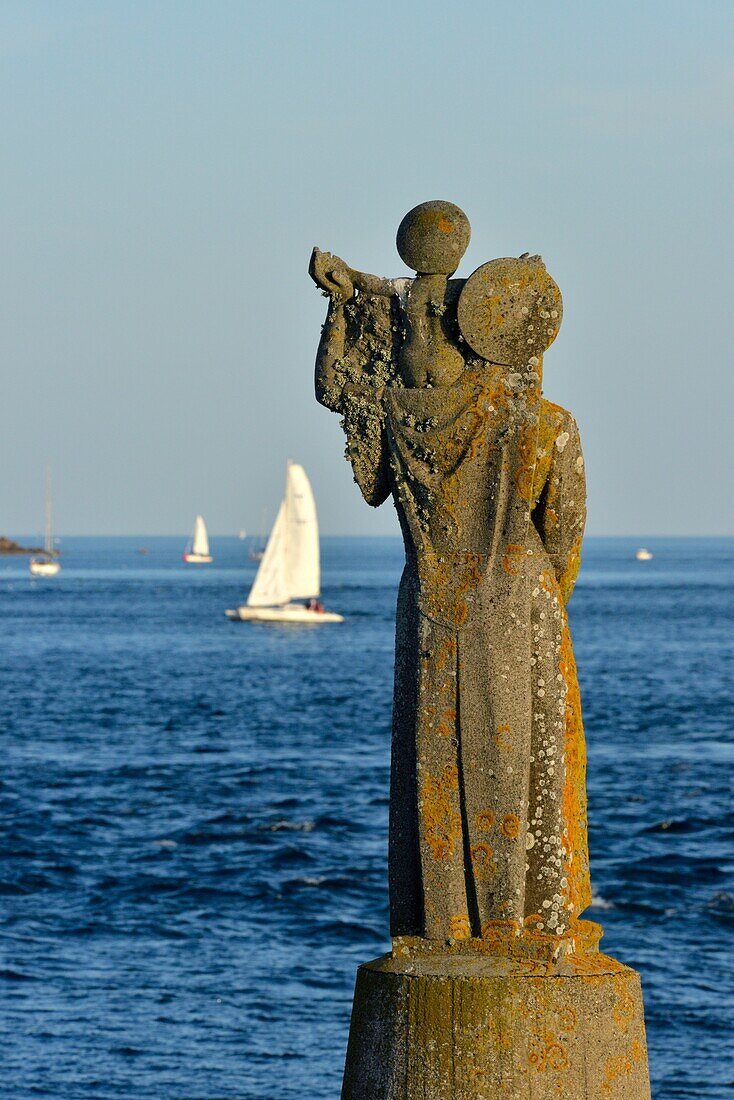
<point x="438" y="381"/>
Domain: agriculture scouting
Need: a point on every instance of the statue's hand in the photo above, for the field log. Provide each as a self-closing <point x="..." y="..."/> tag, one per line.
<point x="331" y="274"/>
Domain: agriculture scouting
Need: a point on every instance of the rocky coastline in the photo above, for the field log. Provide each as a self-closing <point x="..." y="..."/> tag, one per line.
<point x="8" y="546"/>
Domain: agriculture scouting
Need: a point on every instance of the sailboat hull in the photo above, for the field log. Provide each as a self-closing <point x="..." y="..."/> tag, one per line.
<point x="291" y="613"/>
<point x="197" y="559"/>
<point x="43" y="568"/>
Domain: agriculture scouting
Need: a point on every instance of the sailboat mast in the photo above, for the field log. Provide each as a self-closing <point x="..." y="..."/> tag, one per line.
<point x="49" y="540"/>
<point x="288" y="510"/>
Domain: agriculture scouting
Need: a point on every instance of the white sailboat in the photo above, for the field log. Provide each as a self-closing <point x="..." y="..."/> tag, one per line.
<point x="290" y="567"/>
<point x="197" y="551"/>
<point x="46" y="565"/>
<point x="643" y="554"/>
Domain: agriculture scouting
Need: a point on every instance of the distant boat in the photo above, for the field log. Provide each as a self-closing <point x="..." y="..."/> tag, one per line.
<point x="46" y="564"/>
<point x="242" y="535"/>
<point x="643" y="554"/>
<point x="197" y="551"/>
<point x="290" y="567"/>
<point x="257" y="546"/>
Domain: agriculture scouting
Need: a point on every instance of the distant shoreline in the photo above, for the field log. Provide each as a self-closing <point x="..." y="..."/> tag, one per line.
<point x="8" y="546"/>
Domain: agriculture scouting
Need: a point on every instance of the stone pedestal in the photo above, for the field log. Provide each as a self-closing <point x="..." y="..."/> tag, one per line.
<point x="457" y="1024"/>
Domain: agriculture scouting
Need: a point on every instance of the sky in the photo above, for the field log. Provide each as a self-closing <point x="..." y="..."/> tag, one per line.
<point x="167" y="165"/>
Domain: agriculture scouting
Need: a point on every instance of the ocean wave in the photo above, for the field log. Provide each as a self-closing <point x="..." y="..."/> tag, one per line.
<point x="285" y="826"/>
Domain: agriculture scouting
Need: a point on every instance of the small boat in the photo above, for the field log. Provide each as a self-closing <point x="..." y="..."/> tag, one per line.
<point x="643" y="554"/>
<point x="290" y="567"/>
<point x="257" y="546"/>
<point x="242" y="535"/>
<point x="46" y="565"/>
<point x="197" y="551"/>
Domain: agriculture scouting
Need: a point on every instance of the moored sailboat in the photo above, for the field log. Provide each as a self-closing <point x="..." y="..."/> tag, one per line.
<point x="290" y="567"/>
<point x="46" y="565"/>
<point x="197" y="551"/>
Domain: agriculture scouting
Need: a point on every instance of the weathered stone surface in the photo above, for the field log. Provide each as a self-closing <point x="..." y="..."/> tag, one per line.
<point x="433" y="236"/>
<point x="495" y="986"/>
<point x="488" y="804"/>
<point x="510" y="310"/>
<point x="475" y="1027"/>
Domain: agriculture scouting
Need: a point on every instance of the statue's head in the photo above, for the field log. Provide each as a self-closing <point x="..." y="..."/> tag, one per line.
<point x="433" y="237"/>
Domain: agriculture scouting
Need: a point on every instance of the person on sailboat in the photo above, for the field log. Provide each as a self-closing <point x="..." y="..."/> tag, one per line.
<point x="315" y="605"/>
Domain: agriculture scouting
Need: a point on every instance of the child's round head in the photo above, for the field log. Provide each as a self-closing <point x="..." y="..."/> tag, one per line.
<point x="433" y="237"/>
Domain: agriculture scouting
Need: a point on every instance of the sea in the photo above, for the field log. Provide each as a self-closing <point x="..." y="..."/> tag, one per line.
<point x="194" y="814"/>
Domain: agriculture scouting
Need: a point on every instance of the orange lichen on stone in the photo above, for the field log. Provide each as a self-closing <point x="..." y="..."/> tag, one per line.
<point x="624" y="1009"/>
<point x="512" y="558"/>
<point x="459" y="927"/>
<point x="590" y="966"/>
<point x="471" y="572"/>
<point x="447" y="725"/>
<point x="619" y="1065"/>
<point x="445" y="584"/>
<point x="440" y="812"/>
<point x="484" y="866"/>
<point x="485" y="820"/>
<point x="567" y="579"/>
<point x="496" y="932"/>
<point x="511" y="826"/>
<point x="446" y="653"/>
<point x="502" y="738"/>
<point x="546" y="1052"/>
<point x="551" y="517"/>
<point x="574" y="838"/>
<point x="548" y="583"/>
<point x="527" y="446"/>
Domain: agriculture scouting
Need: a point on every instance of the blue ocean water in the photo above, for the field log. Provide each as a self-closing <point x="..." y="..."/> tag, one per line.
<point x="192" y="860"/>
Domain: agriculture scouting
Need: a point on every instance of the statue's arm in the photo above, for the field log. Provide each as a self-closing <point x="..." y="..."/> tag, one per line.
<point x="334" y="276"/>
<point x="329" y="378"/>
<point x="560" y="515"/>
<point x="360" y="405"/>
<point x="339" y="282"/>
<point x="367" y="446"/>
<point x="372" y="284"/>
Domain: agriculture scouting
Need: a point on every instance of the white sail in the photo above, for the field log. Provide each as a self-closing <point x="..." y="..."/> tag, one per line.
<point x="302" y="542"/>
<point x="200" y="543"/>
<point x="289" y="568"/>
<point x="270" y="587"/>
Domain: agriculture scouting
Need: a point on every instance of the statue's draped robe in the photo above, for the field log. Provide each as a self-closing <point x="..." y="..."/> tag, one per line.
<point x="488" y="804"/>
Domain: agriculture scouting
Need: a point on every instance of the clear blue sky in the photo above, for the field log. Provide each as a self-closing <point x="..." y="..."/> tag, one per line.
<point x="167" y="165"/>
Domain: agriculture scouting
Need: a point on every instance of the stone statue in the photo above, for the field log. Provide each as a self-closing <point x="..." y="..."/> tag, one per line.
<point x="438" y="382"/>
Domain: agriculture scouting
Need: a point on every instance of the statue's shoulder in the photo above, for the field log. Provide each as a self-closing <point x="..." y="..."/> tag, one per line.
<point x="555" y="416"/>
<point x="557" y="427"/>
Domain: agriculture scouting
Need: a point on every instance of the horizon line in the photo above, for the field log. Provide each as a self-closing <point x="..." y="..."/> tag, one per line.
<point x="343" y="535"/>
